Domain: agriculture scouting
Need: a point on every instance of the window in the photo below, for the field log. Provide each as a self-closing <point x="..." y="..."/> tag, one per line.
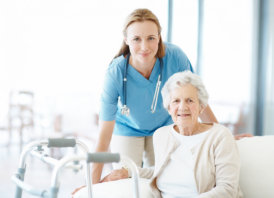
<point x="226" y="58"/>
<point x="185" y="28"/>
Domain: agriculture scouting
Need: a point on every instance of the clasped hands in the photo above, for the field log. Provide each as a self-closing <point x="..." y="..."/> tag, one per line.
<point x="116" y="175"/>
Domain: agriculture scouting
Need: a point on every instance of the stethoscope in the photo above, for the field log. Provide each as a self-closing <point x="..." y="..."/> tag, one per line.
<point x="125" y="109"/>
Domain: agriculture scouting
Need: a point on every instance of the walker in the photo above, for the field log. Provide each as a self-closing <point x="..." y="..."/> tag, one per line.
<point x="36" y="149"/>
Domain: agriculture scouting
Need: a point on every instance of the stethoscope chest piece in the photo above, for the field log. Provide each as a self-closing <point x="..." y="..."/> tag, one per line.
<point x="125" y="110"/>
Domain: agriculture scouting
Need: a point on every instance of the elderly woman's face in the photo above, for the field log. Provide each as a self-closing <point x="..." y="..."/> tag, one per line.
<point x="184" y="106"/>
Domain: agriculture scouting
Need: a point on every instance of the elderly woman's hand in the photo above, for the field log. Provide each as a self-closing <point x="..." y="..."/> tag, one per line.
<point x="76" y="190"/>
<point x="116" y="175"/>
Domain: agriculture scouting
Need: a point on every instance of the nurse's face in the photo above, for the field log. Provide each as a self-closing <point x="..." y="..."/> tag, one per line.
<point x="143" y="39"/>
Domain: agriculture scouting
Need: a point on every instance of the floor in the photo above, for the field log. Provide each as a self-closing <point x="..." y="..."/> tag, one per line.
<point x="38" y="174"/>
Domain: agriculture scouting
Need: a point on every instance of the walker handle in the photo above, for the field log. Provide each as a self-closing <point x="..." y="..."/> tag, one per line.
<point x="61" y="142"/>
<point x="103" y="157"/>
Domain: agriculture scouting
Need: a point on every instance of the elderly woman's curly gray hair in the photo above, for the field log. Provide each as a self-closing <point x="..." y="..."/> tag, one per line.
<point x="182" y="78"/>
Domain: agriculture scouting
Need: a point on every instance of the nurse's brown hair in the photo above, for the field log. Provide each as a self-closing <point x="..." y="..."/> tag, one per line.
<point x="140" y="15"/>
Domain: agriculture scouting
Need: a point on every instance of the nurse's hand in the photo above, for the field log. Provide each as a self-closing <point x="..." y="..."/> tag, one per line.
<point x="116" y="175"/>
<point x="240" y="136"/>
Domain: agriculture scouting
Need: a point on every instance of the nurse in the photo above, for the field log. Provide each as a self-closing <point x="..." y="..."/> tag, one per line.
<point x="131" y="108"/>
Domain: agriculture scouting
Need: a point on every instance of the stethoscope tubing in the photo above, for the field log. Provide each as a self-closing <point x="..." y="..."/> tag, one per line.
<point x="155" y="97"/>
<point x="125" y="109"/>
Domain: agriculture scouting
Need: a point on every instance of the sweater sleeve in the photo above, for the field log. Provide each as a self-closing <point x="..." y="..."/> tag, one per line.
<point x="146" y="172"/>
<point x="227" y="164"/>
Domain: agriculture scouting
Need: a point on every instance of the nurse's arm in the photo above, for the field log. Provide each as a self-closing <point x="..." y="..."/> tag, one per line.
<point x="208" y="116"/>
<point x="106" y="130"/>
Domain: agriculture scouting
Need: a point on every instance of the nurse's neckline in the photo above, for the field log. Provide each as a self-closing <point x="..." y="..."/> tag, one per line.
<point x="142" y="70"/>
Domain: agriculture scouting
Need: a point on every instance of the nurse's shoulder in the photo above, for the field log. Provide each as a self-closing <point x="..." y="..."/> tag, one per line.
<point x="117" y="66"/>
<point x="175" y="59"/>
<point x="173" y="51"/>
<point x="117" y="63"/>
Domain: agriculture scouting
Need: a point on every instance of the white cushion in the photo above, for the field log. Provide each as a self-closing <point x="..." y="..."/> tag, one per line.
<point x="257" y="166"/>
<point x="117" y="189"/>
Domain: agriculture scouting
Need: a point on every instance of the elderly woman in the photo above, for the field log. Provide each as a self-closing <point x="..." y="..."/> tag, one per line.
<point x="193" y="159"/>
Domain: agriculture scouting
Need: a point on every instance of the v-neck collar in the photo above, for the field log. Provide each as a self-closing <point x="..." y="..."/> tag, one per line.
<point x="140" y="78"/>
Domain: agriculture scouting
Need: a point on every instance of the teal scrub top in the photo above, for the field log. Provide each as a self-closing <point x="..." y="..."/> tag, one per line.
<point x="140" y="92"/>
